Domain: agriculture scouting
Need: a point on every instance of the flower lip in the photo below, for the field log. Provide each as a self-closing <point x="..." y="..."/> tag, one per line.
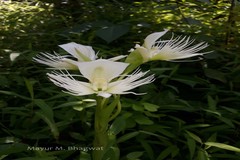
<point x="102" y="79"/>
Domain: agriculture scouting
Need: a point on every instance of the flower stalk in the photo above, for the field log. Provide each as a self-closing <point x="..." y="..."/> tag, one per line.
<point x="103" y="115"/>
<point x="100" y="133"/>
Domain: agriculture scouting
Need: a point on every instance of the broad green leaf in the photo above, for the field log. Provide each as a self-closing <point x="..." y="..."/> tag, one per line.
<point x="127" y="136"/>
<point x="166" y="152"/>
<point x="118" y="125"/>
<point x="134" y="155"/>
<point x="202" y="155"/>
<point x="111" y="33"/>
<point x="191" y="146"/>
<point x="138" y="108"/>
<point x="141" y="119"/>
<point x="148" y="149"/>
<point x="150" y="107"/>
<point x="194" y="136"/>
<point x="222" y="146"/>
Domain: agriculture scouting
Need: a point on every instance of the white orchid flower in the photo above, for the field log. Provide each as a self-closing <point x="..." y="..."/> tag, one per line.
<point x="78" y="53"/>
<point x="173" y="49"/>
<point x="103" y="79"/>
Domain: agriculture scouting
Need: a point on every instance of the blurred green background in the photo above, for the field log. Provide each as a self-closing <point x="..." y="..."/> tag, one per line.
<point x="188" y="105"/>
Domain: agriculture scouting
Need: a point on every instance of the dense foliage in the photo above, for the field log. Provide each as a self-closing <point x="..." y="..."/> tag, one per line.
<point x="191" y="111"/>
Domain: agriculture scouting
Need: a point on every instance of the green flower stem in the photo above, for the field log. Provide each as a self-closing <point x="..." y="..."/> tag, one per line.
<point x="104" y="113"/>
<point x="100" y="126"/>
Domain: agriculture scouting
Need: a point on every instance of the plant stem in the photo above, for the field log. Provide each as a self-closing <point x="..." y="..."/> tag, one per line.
<point x="101" y="138"/>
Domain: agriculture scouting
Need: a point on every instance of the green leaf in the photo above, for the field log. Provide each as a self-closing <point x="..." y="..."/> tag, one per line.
<point x="205" y="1"/>
<point x="215" y="74"/>
<point x="127" y="136"/>
<point x="195" y="137"/>
<point x="213" y="112"/>
<point x="227" y="121"/>
<point x="166" y="133"/>
<point x="50" y="123"/>
<point x="29" y="84"/>
<point x="150" y="107"/>
<point x="138" y="108"/>
<point x="202" y="155"/>
<point x="134" y="155"/>
<point x="7" y="149"/>
<point x="212" y="103"/>
<point x="148" y="149"/>
<point x="112" y="33"/>
<point x="84" y="156"/>
<point x="118" y="125"/>
<point x="141" y="119"/>
<point x="222" y="146"/>
<point x="113" y="153"/>
<point x="15" y="95"/>
<point x="192" y="21"/>
<point x="47" y="110"/>
<point x="166" y="152"/>
<point x="107" y="111"/>
<point x="191" y="146"/>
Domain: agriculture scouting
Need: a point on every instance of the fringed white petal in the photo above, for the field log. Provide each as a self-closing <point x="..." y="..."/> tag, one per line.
<point x="55" y="61"/>
<point x="178" y="49"/>
<point x="131" y="82"/>
<point x="73" y="86"/>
